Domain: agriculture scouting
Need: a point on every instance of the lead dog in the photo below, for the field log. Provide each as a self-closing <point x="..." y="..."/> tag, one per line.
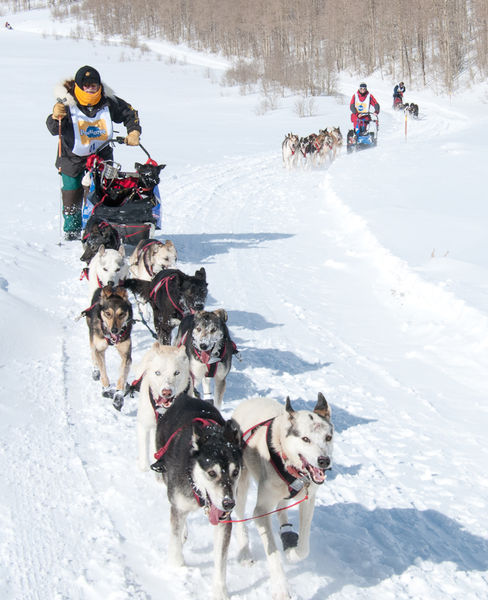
<point x="150" y="257"/>
<point x="200" y="458"/>
<point x="287" y="453"/>
<point x="172" y="294"/>
<point x="337" y="139"/>
<point x="109" y="321"/>
<point x="107" y="267"/>
<point x="290" y="149"/>
<point x="206" y="339"/>
<point x="163" y="374"/>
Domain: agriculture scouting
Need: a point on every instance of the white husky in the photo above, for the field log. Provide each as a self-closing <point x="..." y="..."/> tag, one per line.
<point x="164" y="373"/>
<point x="107" y="267"/>
<point x="287" y="452"/>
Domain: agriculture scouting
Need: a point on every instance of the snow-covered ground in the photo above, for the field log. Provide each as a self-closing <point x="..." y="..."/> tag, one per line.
<point x="366" y="280"/>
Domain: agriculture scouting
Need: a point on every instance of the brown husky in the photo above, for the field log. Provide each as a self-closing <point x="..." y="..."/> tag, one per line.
<point x="109" y="320"/>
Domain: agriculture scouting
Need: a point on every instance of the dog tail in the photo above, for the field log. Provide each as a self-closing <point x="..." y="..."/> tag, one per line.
<point x="139" y="287"/>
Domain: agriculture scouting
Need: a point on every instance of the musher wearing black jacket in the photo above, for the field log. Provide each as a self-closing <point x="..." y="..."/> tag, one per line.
<point x="83" y="117"/>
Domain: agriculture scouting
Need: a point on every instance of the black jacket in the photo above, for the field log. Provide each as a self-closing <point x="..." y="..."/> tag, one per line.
<point x="120" y="112"/>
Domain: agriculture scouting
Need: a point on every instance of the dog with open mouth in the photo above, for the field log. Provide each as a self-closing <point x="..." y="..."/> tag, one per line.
<point x="287" y="453"/>
<point x="200" y="458"/>
<point x="109" y="320"/>
<point x="206" y="338"/>
<point x="161" y="376"/>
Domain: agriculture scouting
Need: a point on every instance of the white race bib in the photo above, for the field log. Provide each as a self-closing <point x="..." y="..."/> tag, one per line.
<point x="363" y="107"/>
<point x="90" y="132"/>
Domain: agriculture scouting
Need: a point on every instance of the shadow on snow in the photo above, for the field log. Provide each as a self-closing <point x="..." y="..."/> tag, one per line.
<point x="365" y="547"/>
<point x="202" y="247"/>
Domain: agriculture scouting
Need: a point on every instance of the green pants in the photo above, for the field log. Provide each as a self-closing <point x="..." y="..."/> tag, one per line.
<point x="72" y="194"/>
<point x="71" y="183"/>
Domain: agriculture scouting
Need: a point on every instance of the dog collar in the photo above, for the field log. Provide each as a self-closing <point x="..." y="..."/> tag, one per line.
<point x="197" y="494"/>
<point x="143" y="252"/>
<point x="211" y="361"/>
<point x="123" y="334"/>
<point x="295" y="484"/>
<point x="207" y="358"/>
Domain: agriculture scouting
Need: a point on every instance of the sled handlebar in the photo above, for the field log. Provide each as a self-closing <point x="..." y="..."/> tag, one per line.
<point x="119" y="139"/>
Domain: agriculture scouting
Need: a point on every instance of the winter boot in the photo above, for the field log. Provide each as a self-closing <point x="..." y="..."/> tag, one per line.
<point x="72" y="213"/>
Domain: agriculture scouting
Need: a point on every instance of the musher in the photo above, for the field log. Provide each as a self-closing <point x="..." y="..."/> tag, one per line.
<point x="83" y="118"/>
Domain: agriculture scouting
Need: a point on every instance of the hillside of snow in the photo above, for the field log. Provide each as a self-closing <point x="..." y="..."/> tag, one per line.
<point x="366" y="280"/>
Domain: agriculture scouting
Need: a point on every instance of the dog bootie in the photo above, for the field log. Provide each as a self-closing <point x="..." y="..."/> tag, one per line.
<point x="158" y="466"/>
<point x="118" y="401"/>
<point x="289" y="538"/>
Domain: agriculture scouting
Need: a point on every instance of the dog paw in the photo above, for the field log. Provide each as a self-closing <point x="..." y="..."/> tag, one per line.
<point x="118" y="401"/>
<point x="95" y="374"/>
<point x="108" y="391"/>
<point x="244" y="557"/>
<point x="294" y="555"/>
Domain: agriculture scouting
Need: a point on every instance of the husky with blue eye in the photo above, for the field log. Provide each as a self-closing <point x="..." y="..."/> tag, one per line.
<point x="162" y="375"/>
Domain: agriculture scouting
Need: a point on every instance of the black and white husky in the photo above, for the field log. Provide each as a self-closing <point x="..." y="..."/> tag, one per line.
<point x="172" y="295"/>
<point x="287" y="452"/>
<point x="200" y="458"/>
<point x="209" y="348"/>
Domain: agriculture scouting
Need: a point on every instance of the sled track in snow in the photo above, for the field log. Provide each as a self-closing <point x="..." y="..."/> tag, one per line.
<point x="95" y="448"/>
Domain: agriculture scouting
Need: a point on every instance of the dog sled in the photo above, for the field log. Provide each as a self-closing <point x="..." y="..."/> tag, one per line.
<point x="128" y="201"/>
<point x="398" y="102"/>
<point x="365" y="133"/>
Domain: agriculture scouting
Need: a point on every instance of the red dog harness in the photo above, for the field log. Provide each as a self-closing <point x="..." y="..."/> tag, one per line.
<point x="287" y="474"/>
<point x="165" y="281"/>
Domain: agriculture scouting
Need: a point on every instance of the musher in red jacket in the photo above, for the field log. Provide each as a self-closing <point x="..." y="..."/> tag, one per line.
<point x="362" y="102"/>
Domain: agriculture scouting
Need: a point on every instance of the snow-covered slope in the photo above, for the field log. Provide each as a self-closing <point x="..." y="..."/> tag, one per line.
<point x="366" y="280"/>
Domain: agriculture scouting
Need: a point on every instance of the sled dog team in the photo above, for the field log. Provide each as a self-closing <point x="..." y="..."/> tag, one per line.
<point x="205" y="460"/>
<point x="313" y="150"/>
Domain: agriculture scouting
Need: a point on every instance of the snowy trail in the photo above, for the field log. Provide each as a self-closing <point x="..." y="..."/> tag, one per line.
<point x="97" y="446"/>
<point x="325" y="292"/>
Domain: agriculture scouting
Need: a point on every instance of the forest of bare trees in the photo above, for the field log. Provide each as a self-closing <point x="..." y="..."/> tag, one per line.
<point x="302" y="45"/>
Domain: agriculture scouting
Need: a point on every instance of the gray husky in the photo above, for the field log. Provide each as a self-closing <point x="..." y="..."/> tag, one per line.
<point x="209" y="348"/>
<point x="200" y="458"/>
<point x="287" y="453"/>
